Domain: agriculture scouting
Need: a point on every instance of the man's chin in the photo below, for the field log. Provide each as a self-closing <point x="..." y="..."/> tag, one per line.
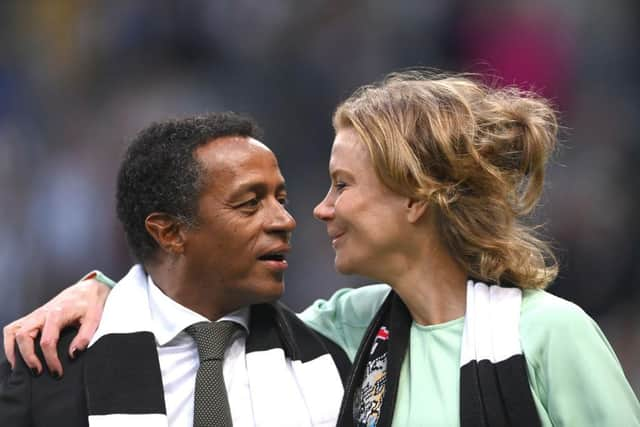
<point x="277" y="294"/>
<point x="271" y="292"/>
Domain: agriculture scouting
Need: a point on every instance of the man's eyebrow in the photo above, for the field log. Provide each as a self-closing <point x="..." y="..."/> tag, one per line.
<point x="256" y="187"/>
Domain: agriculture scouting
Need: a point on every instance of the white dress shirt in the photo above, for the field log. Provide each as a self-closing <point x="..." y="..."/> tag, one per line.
<point x="179" y="360"/>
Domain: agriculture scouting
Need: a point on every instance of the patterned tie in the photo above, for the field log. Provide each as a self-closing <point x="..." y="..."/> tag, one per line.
<point x="211" y="406"/>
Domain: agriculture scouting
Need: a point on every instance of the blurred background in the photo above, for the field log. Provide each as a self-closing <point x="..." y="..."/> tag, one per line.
<point x="79" y="78"/>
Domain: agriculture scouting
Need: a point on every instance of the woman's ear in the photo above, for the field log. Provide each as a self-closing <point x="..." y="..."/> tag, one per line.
<point x="167" y="231"/>
<point x="416" y="209"/>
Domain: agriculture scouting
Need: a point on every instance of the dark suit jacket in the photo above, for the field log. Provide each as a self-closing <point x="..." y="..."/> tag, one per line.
<point x="120" y="373"/>
<point x="59" y="402"/>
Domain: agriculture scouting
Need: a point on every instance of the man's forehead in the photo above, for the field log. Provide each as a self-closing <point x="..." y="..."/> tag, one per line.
<point x="258" y="144"/>
<point x="248" y="141"/>
<point x="233" y="149"/>
<point x="241" y="161"/>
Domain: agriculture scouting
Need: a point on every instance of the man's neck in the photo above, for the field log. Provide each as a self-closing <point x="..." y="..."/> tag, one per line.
<point x="175" y="283"/>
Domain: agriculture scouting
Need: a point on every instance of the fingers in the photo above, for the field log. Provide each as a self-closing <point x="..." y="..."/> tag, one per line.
<point x="94" y="295"/>
<point x="23" y="332"/>
<point x="25" y="338"/>
<point x="9" y="337"/>
<point x="83" y="337"/>
<point x="47" y="320"/>
<point x="53" y="324"/>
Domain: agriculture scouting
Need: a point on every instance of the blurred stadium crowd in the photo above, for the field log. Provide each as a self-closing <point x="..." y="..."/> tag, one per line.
<point x="78" y="78"/>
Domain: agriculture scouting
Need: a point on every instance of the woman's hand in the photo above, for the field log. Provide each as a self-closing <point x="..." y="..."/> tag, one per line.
<point x="80" y="304"/>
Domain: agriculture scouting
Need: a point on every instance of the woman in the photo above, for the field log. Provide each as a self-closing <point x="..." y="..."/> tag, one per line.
<point x="432" y="178"/>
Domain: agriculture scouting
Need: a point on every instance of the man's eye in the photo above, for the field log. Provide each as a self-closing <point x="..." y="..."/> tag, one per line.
<point x="251" y="203"/>
<point x="283" y="201"/>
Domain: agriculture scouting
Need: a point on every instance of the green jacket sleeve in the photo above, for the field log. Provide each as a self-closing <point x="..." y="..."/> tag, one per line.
<point x="577" y="375"/>
<point x="345" y="316"/>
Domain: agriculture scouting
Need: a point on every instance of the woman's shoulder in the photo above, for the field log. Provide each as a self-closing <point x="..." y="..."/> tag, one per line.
<point x="544" y="309"/>
<point x="548" y="322"/>
<point x="353" y="306"/>
<point x="572" y="367"/>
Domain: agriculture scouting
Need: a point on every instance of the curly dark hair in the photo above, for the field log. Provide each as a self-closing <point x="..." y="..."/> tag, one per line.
<point x="160" y="172"/>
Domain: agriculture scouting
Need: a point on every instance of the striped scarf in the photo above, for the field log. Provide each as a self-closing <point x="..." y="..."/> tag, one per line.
<point x="494" y="388"/>
<point x="295" y="375"/>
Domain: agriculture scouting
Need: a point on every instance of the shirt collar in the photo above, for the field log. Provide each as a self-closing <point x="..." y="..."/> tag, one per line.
<point x="169" y="318"/>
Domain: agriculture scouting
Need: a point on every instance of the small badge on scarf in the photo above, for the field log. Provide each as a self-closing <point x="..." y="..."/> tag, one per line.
<point x="368" y="399"/>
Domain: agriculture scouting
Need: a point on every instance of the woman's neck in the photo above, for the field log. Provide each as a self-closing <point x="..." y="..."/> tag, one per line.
<point x="432" y="286"/>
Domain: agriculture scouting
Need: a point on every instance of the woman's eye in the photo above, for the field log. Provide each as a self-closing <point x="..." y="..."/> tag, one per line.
<point x="339" y="185"/>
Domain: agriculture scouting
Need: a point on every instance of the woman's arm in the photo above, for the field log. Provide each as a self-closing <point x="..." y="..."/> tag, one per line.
<point x="346" y="315"/>
<point x="576" y="373"/>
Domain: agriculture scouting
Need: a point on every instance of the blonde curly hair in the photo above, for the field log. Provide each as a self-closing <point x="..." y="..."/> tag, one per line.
<point x="476" y="153"/>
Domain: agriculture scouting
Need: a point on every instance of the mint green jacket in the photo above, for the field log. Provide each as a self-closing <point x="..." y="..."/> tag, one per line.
<point x="574" y="374"/>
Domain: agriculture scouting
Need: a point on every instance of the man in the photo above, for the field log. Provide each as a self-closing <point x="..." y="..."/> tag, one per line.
<point x="202" y="205"/>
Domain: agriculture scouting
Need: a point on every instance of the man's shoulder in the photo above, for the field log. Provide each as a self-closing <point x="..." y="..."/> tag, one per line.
<point x="276" y="318"/>
<point x="274" y="325"/>
<point x="28" y="400"/>
<point x="5" y="369"/>
<point x="62" y="347"/>
<point x="64" y="341"/>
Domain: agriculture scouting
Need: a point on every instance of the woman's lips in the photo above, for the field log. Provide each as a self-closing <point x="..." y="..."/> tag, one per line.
<point x="335" y="239"/>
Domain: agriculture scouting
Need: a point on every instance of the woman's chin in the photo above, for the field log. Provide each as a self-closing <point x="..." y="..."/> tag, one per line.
<point x="341" y="266"/>
<point x="346" y="267"/>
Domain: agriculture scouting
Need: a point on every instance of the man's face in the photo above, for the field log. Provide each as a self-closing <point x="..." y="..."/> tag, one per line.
<point x="239" y="247"/>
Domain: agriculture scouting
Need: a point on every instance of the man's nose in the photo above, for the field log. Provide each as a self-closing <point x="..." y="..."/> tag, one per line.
<point x="281" y="219"/>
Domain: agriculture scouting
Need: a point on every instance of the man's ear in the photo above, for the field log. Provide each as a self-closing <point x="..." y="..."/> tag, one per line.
<point x="416" y="209"/>
<point x="167" y="231"/>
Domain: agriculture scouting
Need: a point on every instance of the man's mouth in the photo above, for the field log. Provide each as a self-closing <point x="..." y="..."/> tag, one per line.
<point x="273" y="257"/>
<point x="276" y="259"/>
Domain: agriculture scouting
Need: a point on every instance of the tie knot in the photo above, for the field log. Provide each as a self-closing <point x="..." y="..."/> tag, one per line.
<point x="212" y="338"/>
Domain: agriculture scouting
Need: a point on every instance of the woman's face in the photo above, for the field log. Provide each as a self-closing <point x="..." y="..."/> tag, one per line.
<point x="366" y="221"/>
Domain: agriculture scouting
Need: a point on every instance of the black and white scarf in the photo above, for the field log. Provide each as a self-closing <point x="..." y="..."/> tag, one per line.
<point x="494" y="388"/>
<point x="295" y="375"/>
